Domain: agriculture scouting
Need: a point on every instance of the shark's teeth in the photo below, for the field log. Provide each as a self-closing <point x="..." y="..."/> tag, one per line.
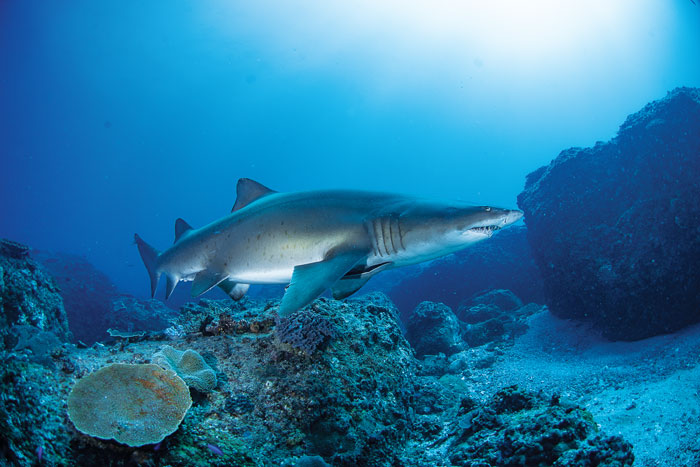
<point x="489" y="229"/>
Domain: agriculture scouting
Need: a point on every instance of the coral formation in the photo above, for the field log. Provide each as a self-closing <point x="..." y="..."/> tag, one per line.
<point x="131" y="314"/>
<point x="216" y="317"/>
<point x="28" y="296"/>
<point x="132" y="404"/>
<point x="305" y="330"/>
<point x="125" y="334"/>
<point x="496" y="316"/>
<point x="619" y="222"/>
<point x="517" y="428"/>
<point x="189" y="365"/>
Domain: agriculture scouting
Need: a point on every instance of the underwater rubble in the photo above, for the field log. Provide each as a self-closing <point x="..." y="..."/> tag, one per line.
<point x="619" y="222"/>
<point x="334" y="384"/>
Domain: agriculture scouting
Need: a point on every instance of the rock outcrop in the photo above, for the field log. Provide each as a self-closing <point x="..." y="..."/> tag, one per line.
<point x="87" y="294"/>
<point x="615" y="229"/>
<point x="28" y="296"/>
<point x="432" y="329"/>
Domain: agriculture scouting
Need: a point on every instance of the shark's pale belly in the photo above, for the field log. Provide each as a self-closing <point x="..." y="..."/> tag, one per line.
<point x="273" y="275"/>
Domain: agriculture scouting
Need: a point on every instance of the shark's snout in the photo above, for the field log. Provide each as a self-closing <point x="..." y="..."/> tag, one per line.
<point x="512" y="216"/>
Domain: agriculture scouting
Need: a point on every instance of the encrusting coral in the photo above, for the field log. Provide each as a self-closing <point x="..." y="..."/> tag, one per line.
<point x="189" y="365"/>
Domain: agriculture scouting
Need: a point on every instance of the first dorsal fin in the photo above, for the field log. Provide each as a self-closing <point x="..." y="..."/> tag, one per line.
<point x="181" y="228"/>
<point x="248" y="191"/>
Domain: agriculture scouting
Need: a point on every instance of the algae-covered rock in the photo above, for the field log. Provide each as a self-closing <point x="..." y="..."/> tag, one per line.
<point x="131" y="314"/>
<point x="32" y="413"/>
<point x="503" y="299"/>
<point x="519" y="428"/>
<point x="433" y="328"/>
<point x="189" y="365"/>
<point x="28" y="296"/>
<point x="614" y="227"/>
<point x="41" y="344"/>
<point x="494" y="317"/>
<point x="132" y="404"/>
<point x="349" y="402"/>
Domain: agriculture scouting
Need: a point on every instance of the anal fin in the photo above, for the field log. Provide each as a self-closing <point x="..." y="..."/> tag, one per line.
<point x="310" y="280"/>
<point x="233" y="289"/>
<point x="351" y="283"/>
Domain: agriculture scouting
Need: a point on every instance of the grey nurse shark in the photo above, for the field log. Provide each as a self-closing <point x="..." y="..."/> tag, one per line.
<point x="315" y="241"/>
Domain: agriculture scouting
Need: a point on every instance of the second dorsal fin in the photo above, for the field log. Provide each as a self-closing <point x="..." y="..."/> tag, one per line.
<point x="181" y="228"/>
<point x="248" y="191"/>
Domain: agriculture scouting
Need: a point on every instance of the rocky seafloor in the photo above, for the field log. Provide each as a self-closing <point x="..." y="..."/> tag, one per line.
<point x="334" y="384"/>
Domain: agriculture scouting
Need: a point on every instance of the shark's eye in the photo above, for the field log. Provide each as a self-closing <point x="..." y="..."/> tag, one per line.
<point x="487" y="209"/>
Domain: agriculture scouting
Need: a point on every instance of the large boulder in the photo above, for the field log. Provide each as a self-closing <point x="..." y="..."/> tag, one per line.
<point x="615" y="229"/>
<point x="433" y="328"/>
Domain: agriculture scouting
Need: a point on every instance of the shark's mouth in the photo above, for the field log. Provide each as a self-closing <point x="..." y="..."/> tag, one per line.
<point x="486" y="230"/>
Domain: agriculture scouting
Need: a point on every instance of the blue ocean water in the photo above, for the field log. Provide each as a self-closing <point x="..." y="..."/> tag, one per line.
<point x="567" y="338"/>
<point x="119" y="117"/>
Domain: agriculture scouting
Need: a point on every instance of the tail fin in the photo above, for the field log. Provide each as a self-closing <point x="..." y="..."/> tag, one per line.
<point x="149" y="255"/>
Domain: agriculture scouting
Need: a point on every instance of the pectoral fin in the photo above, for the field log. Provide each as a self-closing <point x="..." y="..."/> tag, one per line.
<point x="206" y="280"/>
<point x="310" y="280"/>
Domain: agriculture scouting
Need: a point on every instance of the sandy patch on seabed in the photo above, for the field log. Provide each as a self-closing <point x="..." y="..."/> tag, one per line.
<point x="647" y="391"/>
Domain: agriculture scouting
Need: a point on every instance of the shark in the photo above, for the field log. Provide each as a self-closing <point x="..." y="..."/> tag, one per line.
<point x="314" y="241"/>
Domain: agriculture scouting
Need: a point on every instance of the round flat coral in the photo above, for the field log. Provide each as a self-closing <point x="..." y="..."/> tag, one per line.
<point x="132" y="404"/>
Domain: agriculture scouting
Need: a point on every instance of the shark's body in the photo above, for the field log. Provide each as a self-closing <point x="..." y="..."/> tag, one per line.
<point x="315" y="241"/>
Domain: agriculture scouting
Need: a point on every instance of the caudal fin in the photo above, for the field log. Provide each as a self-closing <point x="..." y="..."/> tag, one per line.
<point x="149" y="255"/>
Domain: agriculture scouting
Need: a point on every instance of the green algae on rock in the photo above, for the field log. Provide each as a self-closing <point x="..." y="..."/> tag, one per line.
<point x="132" y="404"/>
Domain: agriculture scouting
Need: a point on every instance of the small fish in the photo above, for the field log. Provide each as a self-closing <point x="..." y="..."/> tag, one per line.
<point x="157" y="447"/>
<point x="40" y="452"/>
<point x="215" y="449"/>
